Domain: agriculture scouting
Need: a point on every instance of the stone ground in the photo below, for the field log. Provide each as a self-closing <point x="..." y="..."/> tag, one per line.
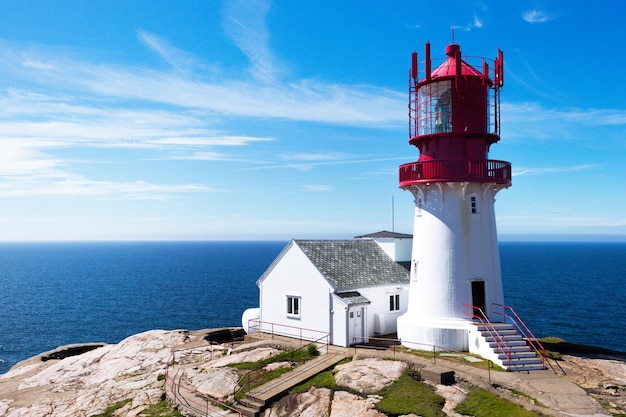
<point x="603" y="377"/>
<point x="83" y="385"/>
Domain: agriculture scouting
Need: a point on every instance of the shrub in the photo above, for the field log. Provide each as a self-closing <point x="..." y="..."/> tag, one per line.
<point x="312" y="350"/>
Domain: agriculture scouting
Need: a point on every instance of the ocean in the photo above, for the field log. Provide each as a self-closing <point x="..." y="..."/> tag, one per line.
<point x="54" y="294"/>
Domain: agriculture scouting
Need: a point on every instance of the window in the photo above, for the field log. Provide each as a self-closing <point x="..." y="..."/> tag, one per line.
<point x="473" y="205"/>
<point x="293" y="306"/>
<point x="434" y="108"/>
<point x="394" y="302"/>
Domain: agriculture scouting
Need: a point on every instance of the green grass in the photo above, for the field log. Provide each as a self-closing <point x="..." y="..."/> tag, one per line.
<point x="161" y="409"/>
<point x="324" y="379"/>
<point x="406" y="396"/>
<point x="257" y="376"/>
<point x="291" y="355"/>
<point x="482" y="403"/>
<point x="557" y="346"/>
<point x="108" y="412"/>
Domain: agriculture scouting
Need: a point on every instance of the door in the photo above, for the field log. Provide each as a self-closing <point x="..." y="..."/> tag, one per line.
<point x="478" y="298"/>
<point x="356" y="317"/>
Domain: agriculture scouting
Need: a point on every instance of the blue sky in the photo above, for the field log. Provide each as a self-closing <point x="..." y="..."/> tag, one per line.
<point x="275" y="120"/>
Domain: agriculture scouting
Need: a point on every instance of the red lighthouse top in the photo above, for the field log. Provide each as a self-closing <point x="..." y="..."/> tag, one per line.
<point x="454" y="114"/>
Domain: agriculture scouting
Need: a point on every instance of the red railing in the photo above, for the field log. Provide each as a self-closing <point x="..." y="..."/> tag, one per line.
<point x="302" y="334"/>
<point x="455" y="170"/>
<point x="188" y="397"/>
<point x="524" y="330"/>
<point x="501" y="345"/>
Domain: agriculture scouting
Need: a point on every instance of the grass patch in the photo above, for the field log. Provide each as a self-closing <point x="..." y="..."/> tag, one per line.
<point x="406" y="396"/>
<point x="257" y="376"/>
<point x="556" y="345"/>
<point x="290" y="355"/>
<point x="324" y="379"/>
<point x="161" y="409"/>
<point x="482" y="403"/>
<point x="108" y="412"/>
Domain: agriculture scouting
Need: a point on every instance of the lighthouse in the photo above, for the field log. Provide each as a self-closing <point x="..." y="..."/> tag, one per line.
<point x="455" y="278"/>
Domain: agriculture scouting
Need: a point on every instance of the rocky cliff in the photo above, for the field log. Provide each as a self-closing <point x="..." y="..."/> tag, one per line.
<point x="84" y="380"/>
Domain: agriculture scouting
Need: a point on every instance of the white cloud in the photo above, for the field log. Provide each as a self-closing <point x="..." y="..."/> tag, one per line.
<point x="318" y="187"/>
<point x="177" y="58"/>
<point x="476" y="23"/>
<point x="550" y="170"/>
<point x="134" y="190"/>
<point x="538" y="16"/>
<point x="244" y="23"/>
<point x="534" y="120"/>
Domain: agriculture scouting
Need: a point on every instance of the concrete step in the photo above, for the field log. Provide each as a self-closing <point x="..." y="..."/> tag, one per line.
<point x="251" y="402"/>
<point x="525" y="361"/>
<point x="248" y="412"/>
<point x="497" y="326"/>
<point x="512" y="349"/>
<point x="527" y="367"/>
<point x="518" y="356"/>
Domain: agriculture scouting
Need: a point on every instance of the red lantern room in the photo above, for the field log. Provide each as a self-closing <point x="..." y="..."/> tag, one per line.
<point x="454" y="114"/>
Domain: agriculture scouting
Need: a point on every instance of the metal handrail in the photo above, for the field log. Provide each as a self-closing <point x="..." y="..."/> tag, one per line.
<point x="500" y="342"/>
<point x="485" y="170"/>
<point x="191" y="401"/>
<point x="249" y="373"/>
<point x="298" y="332"/>
<point x="435" y="348"/>
<point x="524" y="330"/>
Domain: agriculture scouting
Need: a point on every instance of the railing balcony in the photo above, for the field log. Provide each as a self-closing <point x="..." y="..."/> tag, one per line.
<point x="455" y="170"/>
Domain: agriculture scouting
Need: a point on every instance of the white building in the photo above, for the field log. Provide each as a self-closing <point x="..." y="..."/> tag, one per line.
<point x="349" y="289"/>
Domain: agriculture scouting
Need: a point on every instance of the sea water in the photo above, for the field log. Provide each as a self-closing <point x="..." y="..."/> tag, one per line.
<point x="53" y="294"/>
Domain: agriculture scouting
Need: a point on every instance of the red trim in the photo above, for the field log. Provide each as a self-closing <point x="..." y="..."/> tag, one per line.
<point x="455" y="170"/>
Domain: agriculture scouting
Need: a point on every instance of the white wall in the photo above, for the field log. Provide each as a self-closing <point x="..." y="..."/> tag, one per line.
<point x="398" y="249"/>
<point x="339" y="312"/>
<point x="451" y="247"/>
<point x="380" y="320"/>
<point x="294" y="275"/>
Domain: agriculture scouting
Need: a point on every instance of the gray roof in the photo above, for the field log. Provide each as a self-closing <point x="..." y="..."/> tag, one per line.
<point x="384" y="234"/>
<point x="352" y="298"/>
<point x="348" y="264"/>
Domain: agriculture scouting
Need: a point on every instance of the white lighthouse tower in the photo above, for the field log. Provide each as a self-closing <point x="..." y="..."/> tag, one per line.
<point x="455" y="267"/>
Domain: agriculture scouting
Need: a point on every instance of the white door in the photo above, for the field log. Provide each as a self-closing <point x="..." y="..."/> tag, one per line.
<point x="356" y="328"/>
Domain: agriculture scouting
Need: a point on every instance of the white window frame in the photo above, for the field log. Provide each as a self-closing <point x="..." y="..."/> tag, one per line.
<point x="294" y="306"/>
<point x="394" y="302"/>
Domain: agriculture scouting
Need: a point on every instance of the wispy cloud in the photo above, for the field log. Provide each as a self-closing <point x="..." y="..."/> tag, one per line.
<point x="551" y="170"/>
<point x="557" y="222"/>
<point x="534" y="120"/>
<point x="476" y="23"/>
<point x="65" y="103"/>
<point x="318" y="187"/>
<point x="177" y="58"/>
<point x="303" y="100"/>
<point x="244" y="22"/>
<point x="306" y="165"/>
<point x="538" y="16"/>
<point x="135" y="190"/>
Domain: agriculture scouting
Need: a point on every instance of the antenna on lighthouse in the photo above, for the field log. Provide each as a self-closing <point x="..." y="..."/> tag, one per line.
<point x="452" y="33"/>
<point x="393" y="216"/>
